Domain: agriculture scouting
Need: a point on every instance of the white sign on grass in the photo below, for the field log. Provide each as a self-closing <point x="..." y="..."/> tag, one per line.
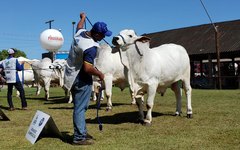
<point x="40" y="122"/>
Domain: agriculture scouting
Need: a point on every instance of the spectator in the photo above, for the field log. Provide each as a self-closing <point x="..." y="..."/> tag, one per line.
<point x="10" y="67"/>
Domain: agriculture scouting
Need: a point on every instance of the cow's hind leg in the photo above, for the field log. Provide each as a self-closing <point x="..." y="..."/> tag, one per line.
<point x="178" y="94"/>
<point x="188" y="92"/>
<point x="38" y="89"/>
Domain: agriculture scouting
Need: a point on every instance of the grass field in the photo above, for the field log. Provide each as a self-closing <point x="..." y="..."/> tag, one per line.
<point x="215" y="124"/>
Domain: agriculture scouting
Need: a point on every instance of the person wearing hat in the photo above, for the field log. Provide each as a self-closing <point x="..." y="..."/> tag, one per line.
<point x="11" y="67"/>
<point x="78" y="74"/>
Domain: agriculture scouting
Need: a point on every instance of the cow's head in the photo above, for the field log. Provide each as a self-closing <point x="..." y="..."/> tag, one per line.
<point x="124" y="37"/>
<point x="128" y="37"/>
<point x="58" y="67"/>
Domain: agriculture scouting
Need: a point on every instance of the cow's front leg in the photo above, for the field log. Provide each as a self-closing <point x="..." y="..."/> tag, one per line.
<point x="108" y="91"/>
<point x="150" y="101"/>
<point x="46" y="89"/>
<point x="133" y="102"/>
<point x="139" y="103"/>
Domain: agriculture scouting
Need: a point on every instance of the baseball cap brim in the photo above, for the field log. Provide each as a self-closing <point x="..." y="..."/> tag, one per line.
<point x="108" y="33"/>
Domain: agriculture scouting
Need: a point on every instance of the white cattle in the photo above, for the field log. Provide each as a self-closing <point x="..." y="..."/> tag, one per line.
<point x="95" y="91"/>
<point x="46" y="72"/>
<point x="115" y="72"/>
<point x="155" y="70"/>
<point x="28" y="78"/>
<point x="28" y="72"/>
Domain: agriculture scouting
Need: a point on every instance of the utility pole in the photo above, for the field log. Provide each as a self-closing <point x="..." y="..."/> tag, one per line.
<point x="73" y="23"/>
<point x="217" y="47"/>
<point x="218" y="57"/>
<point x="50" y="23"/>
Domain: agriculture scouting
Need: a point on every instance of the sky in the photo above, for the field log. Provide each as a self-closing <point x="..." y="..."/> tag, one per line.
<point x="22" y="21"/>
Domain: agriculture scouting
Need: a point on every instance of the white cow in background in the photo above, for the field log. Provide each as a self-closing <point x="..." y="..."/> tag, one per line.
<point x="28" y="78"/>
<point x="155" y="70"/>
<point x="115" y="72"/>
<point x="46" y="72"/>
<point x="28" y="72"/>
<point x="95" y="91"/>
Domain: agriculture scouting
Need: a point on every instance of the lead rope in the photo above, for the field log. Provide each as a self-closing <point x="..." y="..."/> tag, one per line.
<point x="92" y="26"/>
<point x="100" y="89"/>
<point x="99" y="104"/>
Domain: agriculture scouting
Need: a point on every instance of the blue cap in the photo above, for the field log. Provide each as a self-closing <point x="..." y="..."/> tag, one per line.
<point x="101" y="27"/>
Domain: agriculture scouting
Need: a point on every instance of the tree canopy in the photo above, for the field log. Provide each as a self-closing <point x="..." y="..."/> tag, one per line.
<point x="18" y="53"/>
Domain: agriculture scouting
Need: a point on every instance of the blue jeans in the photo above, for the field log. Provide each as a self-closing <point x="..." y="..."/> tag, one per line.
<point x="81" y="93"/>
<point x="19" y="87"/>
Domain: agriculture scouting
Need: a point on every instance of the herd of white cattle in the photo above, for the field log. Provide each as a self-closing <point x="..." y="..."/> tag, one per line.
<point x="133" y="64"/>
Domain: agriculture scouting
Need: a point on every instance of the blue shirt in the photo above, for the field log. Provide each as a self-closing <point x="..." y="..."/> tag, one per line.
<point x="88" y="56"/>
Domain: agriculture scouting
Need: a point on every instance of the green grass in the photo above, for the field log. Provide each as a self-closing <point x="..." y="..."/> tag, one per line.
<point x="215" y="123"/>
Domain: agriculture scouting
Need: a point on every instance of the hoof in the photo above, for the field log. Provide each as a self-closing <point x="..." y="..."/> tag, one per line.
<point x="147" y="124"/>
<point x="108" y="109"/>
<point x="189" y="116"/>
<point x="140" y="121"/>
<point x="133" y="103"/>
<point x="177" y="114"/>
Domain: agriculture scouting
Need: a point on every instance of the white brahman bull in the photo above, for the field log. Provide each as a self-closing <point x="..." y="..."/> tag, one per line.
<point x="155" y="70"/>
<point x="28" y="72"/>
<point x="46" y="72"/>
<point x="115" y="72"/>
<point x="28" y="77"/>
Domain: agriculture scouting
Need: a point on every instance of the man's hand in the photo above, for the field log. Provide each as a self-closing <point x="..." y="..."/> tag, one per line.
<point x="101" y="76"/>
<point x="82" y="15"/>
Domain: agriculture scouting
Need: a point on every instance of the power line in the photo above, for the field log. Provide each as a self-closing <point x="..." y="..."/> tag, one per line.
<point x="208" y="16"/>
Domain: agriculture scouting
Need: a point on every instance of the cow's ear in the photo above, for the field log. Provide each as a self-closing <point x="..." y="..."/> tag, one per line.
<point x="143" y="39"/>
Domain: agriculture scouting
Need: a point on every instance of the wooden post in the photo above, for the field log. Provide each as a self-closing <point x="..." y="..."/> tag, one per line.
<point x="218" y="57"/>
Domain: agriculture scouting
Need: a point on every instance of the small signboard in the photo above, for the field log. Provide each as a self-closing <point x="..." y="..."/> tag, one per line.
<point x="42" y="125"/>
<point x="3" y="117"/>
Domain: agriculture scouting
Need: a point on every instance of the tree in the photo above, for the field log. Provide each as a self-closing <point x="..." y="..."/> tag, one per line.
<point x="18" y="53"/>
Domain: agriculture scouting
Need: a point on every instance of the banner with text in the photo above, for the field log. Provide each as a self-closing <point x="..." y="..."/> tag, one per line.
<point x="43" y="124"/>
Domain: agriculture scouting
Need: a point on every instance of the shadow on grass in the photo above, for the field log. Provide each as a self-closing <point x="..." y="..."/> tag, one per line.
<point x="125" y="117"/>
<point x="60" y="100"/>
<point x="36" y="98"/>
<point x="92" y="106"/>
<point x="104" y="105"/>
<point x="4" y="107"/>
<point x="65" y="107"/>
<point x="67" y="138"/>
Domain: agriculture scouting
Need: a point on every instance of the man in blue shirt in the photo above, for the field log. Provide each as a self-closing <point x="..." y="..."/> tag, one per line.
<point x="11" y="67"/>
<point x="78" y="74"/>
